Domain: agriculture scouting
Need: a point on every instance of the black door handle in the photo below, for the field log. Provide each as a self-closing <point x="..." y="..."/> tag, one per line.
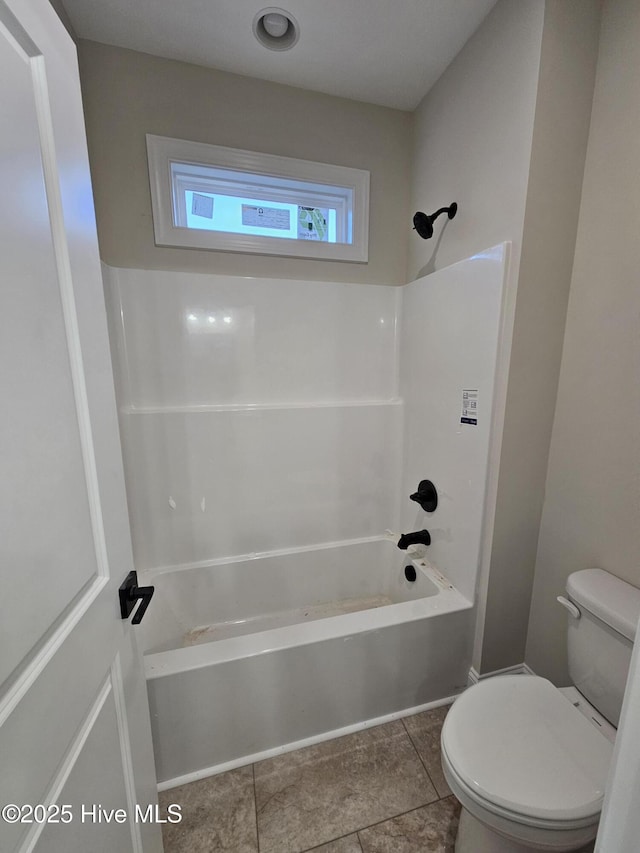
<point x="130" y="593"/>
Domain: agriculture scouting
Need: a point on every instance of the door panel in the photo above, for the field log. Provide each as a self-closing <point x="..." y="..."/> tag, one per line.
<point x="83" y="786"/>
<point x="40" y="429"/>
<point x="74" y="720"/>
<point x="36" y="735"/>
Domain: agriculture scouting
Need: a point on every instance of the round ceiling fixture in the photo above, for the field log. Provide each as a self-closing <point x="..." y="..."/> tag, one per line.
<point x="276" y="29"/>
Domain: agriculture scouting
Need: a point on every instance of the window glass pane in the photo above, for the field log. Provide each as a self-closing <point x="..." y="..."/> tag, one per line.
<point x="308" y="216"/>
<point x="240" y="215"/>
<point x="211" y="197"/>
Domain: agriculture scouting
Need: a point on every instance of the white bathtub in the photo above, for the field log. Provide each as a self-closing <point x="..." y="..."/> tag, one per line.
<point x="257" y="655"/>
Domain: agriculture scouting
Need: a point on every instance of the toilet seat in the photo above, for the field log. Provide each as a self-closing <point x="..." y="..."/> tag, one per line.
<point x="521" y="751"/>
<point x="492" y="812"/>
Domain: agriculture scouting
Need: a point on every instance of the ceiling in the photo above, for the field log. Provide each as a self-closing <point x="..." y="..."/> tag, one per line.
<point x="387" y="52"/>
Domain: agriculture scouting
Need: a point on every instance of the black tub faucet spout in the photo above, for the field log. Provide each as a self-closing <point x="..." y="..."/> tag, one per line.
<point x="420" y="537"/>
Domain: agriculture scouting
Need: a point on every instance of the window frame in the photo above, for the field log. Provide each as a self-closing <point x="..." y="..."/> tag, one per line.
<point x="163" y="151"/>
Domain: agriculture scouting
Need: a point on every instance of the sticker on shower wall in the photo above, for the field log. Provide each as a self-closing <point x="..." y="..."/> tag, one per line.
<point x="469" y="406"/>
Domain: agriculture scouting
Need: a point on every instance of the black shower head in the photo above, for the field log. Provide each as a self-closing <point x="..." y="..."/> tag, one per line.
<point x="423" y="223"/>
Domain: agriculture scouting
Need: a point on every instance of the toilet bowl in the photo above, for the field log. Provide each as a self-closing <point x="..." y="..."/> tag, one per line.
<point x="528" y="768"/>
<point x="529" y="761"/>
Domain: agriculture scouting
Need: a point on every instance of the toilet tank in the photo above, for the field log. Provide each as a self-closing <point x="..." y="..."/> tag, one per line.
<point x="600" y="639"/>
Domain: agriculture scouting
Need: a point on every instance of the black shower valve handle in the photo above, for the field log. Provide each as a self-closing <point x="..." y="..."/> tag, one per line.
<point x="426" y="496"/>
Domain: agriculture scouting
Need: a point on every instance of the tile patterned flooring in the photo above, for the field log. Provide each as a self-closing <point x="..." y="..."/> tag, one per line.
<point x="380" y="790"/>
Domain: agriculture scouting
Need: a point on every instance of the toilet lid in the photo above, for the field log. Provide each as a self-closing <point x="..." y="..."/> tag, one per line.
<point x="518" y="743"/>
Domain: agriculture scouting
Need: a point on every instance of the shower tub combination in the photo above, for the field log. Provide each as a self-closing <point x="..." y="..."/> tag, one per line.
<point x="262" y="654"/>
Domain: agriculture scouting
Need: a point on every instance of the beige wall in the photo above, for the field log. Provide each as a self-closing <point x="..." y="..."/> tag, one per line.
<point x="128" y="94"/>
<point x="472" y="144"/>
<point x="472" y="139"/>
<point x="591" y="510"/>
<point x="560" y="133"/>
<point x="504" y="134"/>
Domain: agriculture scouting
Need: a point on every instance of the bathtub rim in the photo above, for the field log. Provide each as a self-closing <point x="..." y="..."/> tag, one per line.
<point x="447" y="600"/>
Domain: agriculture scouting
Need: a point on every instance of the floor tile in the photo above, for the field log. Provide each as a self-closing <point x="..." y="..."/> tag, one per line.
<point x="424" y="730"/>
<point x="218" y="815"/>
<point x="311" y="796"/>
<point x="348" y="844"/>
<point x="431" y="829"/>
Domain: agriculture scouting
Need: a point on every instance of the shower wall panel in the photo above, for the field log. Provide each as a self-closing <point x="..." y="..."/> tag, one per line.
<point x="452" y="372"/>
<point x="256" y="414"/>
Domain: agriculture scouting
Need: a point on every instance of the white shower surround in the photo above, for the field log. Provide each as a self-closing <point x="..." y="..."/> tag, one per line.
<point x="305" y="421"/>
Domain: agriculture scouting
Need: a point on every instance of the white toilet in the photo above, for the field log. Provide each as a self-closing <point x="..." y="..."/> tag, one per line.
<point x="529" y="761"/>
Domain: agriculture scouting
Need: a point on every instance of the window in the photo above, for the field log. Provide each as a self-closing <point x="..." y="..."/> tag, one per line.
<point x="210" y="197"/>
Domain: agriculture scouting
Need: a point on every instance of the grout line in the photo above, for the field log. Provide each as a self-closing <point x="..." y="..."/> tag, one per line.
<point x="402" y="814"/>
<point x="357" y="831"/>
<point x="377" y="823"/>
<point x="255" y="805"/>
<point x="332" y="841"/>
<point x="433" y="784"/>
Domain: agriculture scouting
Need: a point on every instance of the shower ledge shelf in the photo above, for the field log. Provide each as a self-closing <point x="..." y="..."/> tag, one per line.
<point x="258" y="407"/>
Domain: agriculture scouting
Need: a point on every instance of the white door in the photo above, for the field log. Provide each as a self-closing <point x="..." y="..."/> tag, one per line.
<point x="619" y="829"/>
<point x="74" y="720"/>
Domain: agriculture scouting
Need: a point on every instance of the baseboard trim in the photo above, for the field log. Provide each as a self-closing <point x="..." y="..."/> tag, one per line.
<point x="518" y="669"/>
